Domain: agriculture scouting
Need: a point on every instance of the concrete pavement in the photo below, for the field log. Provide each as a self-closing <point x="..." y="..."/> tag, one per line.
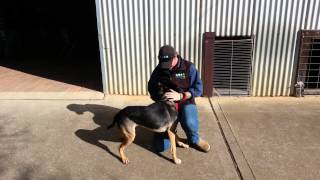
<point x="272" y="138"/>
<point x="251" y="138"/>
<point x="63" y="139"/>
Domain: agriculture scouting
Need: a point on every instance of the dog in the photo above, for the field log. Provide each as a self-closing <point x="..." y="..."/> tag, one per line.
<point x="160" y="116"/>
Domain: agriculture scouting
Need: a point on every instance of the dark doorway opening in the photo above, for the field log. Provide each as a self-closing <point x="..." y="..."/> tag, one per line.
<point x="55" y="40"/>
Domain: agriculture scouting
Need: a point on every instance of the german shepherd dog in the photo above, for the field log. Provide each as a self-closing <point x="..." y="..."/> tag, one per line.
<point x="160" y="116"/>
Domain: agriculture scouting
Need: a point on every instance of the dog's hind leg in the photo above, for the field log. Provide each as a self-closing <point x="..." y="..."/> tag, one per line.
<point x="173" y="147"/>
<point x="180" y="142"/>
<point x="128" y="138"/>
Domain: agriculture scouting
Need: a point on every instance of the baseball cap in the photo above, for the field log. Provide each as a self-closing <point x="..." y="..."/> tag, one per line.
<point x="166" y="53"/>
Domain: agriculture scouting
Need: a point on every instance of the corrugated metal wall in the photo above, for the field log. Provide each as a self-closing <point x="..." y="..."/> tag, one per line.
<point x="132" y="31"/>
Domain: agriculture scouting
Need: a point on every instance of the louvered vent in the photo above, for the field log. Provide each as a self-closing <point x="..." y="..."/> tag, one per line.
<point x="309" y="61"/>
<point x="232" y="66"/>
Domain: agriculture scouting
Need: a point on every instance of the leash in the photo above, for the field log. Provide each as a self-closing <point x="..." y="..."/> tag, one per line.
<point x="177" y="106"/>
<point x="184" y="98"/>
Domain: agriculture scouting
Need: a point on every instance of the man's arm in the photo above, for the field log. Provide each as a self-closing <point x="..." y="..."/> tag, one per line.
<point x="196" y="86"/>
<point x="153" y="85"/>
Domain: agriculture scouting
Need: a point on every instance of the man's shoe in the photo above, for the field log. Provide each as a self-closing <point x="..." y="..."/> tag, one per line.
<point x="202" y="145"/>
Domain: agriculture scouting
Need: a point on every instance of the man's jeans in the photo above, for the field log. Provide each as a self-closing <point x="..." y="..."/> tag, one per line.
<point x="188" y="118"/>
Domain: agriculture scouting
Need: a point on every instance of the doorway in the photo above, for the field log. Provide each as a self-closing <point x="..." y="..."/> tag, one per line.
<point x="49" y="46"/>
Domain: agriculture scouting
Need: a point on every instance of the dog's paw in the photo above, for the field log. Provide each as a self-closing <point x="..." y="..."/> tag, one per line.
<point x="125" y="161"/>
<point x="177" y="161"/>
<point x="183" y="145"/>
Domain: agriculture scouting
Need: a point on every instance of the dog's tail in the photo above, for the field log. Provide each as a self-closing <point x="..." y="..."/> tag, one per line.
<point x="111" y="125"/>
<point x="115" y="119"/>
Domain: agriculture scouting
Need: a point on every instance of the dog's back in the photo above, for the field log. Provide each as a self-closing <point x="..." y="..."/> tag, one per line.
<point x="155" y="116"/>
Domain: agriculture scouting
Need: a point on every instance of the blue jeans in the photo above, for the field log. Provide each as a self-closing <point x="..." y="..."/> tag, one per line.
<point x="188" y="118"/>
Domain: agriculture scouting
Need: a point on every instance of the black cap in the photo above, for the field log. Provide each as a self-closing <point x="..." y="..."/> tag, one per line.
<point x="166" y="54"/>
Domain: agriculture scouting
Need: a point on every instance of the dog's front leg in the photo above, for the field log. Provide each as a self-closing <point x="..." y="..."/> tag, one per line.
<point x="173" y="147"/>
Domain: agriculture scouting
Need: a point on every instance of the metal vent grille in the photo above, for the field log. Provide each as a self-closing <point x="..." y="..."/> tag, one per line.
<point x="232" y="66"/>
<point x="309" y="61"/>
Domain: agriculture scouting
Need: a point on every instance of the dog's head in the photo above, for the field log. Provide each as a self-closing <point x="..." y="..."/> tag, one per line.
<point x="164" y="85"/>
<point x="162" y="89"/>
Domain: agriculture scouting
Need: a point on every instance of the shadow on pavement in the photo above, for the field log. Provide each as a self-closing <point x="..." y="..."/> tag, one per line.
<point x="103" y="116"/>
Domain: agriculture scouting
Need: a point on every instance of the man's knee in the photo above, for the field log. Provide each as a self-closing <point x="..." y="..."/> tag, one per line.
<point x="189" y="117"/>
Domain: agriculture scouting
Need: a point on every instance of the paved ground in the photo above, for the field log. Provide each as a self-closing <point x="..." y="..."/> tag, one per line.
<point x="67" y="140"/>
<point x="273" y="138"/>
<point x="261" y="138"/>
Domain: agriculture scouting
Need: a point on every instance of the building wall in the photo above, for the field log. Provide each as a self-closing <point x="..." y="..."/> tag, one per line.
<point x="132" y="31"/>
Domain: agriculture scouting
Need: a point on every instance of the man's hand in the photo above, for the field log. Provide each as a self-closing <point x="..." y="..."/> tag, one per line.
<point x="173" y="95"/>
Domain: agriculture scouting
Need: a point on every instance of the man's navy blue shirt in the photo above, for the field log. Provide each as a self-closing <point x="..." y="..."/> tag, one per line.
<point x="195" y="83"/>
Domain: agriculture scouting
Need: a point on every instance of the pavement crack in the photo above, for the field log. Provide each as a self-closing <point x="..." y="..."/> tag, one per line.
<point x="224" y="115"/>
<point x="226" y="142"/>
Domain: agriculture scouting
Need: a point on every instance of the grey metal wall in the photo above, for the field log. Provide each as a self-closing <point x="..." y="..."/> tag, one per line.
<point x="132" y="31"/>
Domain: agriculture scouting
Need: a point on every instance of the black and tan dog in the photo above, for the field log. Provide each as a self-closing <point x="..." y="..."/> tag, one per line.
<point x="160" y="116"/>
